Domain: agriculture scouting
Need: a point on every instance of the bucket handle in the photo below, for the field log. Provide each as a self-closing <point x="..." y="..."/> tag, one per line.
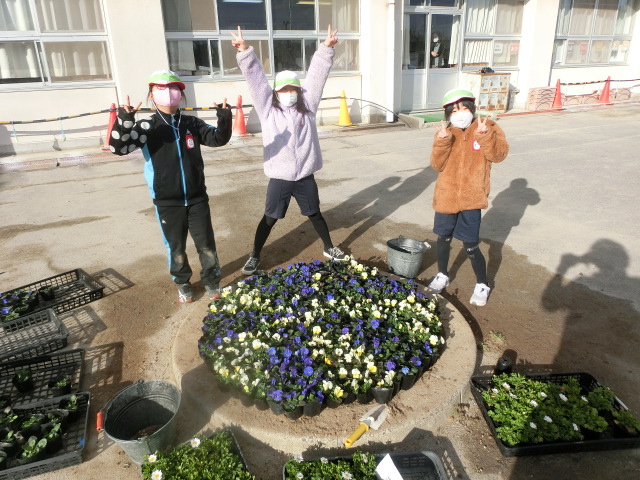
<point x="100" y="414"/>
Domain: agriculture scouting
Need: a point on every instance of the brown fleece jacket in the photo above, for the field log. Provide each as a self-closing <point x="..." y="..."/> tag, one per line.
<point x="464" y="161"/>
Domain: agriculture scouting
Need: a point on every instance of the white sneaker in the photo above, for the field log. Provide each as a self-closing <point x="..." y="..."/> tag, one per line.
<point x="439" y="283"/>
<point x="480" y="295"/>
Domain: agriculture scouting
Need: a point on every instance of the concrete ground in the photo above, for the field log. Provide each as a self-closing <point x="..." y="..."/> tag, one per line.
<point x="563" y="199"/>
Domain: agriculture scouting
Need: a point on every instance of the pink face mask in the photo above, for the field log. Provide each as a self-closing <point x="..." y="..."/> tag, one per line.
<point x="169" y="97"/>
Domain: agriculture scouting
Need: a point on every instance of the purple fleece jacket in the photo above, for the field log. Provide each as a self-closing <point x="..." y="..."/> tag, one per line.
<point x="290" y="139"/>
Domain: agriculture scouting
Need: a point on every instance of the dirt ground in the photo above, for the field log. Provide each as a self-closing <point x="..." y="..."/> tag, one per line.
<point x="546" y="322"/>
<point x="560" y="344"/>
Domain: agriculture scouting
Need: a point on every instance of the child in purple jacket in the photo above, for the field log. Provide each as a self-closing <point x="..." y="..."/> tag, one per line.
<point x="292" y="155"/>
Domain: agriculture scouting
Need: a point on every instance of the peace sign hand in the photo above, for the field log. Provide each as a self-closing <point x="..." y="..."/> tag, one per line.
<point x="331" y="39"/>
<point x="442" y="130"/>
<point x="482" y="125"/>
<point x="128" y="108"/>
<point x="238" y="41"/>
<point x="222" y="105"/>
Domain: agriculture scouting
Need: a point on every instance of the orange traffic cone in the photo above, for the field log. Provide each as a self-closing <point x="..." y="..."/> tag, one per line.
<point x="112" y="119"/>
<point x="345" y="120"/>
<point x="557" y="100"/>
<point x="239" y="126"/>
<point x="604" y="96"/>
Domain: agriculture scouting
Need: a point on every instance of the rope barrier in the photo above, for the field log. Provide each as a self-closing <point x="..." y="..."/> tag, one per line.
<point x="600" y="81"/>
<point x="148" y="109"/>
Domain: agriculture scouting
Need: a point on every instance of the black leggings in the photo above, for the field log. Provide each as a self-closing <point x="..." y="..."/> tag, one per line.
<point x="267" y="223"/>
<point x="478" y="263"/>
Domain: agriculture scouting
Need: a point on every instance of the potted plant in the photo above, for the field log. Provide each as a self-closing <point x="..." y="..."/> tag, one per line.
<point x="30" y="299"/>
<point x="30" y="424"/>
<point x="23" y="380"/>
<point x="8" y="418"/>
<point x="361" y="466"/>
<point x="626" y="423"/>
<point x="7" y="314"/>
<point x="8" y="442"/>
<point x="55" y="416"/>
<point x="47" y="293"/>
<point x="32" y="451"/>
<point x="60" y="386"/>
<point x="53" y="434"/>
<point x="203" y="457"/>
<point x="71" y="405"/>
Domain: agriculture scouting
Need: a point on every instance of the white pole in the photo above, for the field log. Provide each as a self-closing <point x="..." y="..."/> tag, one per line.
<point x="391" y="53"/>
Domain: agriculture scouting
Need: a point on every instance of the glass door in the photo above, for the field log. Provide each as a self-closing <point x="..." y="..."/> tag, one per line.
<point x="444" y="51"/>
<point x="430" y="58"/>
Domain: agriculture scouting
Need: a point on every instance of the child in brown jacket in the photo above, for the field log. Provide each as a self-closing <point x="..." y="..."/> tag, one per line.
<point x="464" y="148"/>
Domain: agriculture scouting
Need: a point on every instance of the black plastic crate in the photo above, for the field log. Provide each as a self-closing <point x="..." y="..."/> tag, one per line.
<point x="411" y="465"/>
<point x="74" y="440"/>
<point x="71" y="290"/>
<point x="34" y="334"/>
<point x="45" y="368"/>
<point x="480" y="383"/>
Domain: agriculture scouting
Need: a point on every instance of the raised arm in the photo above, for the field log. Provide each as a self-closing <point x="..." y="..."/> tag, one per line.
<point x="126" y="135"/>
<point x="319" y="69"/>
<point x="216" y="137"/>
<point x="261" y="91"/>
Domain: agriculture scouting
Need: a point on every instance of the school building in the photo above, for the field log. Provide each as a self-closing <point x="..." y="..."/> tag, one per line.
<point x="63" y="59"/>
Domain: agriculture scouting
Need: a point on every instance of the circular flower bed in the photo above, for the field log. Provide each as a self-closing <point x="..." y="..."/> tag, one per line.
<point x="318" y="331"/>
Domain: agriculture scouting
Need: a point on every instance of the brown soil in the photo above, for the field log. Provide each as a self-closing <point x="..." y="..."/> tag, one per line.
<point x="572" y="327"/>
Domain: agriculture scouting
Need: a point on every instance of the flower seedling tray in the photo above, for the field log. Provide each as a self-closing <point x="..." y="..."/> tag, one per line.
<point x="480" y="383"/>
<point x="31" y="335"/>
<point x="45" y="368"/>
<point x="71" y="290"/>
<point x="423" y="465"/>
<point x="73" y="440"/>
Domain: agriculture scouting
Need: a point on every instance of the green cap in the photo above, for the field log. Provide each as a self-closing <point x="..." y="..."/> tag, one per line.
<point x="165" y="77"/>
<point x="452" y="96"/>
<point x="286" y="78"/>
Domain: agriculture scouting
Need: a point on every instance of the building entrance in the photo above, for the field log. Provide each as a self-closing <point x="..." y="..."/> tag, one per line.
<point x="430" y="57"/>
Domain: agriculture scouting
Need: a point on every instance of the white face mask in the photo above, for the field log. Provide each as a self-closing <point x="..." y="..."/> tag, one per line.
<point x="461" y="119"/>
<point x="436" y="39"/>
<point x="288" y="99"/>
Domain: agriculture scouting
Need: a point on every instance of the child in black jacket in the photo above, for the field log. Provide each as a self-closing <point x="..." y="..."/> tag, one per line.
<point x="174" y="170"/>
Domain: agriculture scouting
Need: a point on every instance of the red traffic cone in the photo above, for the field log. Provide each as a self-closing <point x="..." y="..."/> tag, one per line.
<point x="239" y="126"/>
<point x="604" y="96"/>
<point x="112" y="119"/>
<point x="557" y="100"/>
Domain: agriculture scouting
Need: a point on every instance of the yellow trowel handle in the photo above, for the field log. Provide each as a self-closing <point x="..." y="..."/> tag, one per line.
<point x="356" y="435"/>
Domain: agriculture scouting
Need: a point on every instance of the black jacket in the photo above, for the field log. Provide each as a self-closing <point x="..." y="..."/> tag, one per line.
<point x="174" y="168"/>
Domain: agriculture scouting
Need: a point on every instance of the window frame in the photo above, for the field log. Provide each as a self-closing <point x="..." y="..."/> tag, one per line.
<point x="492" y="38"/>
<point x="562" y="40"/>
<point x="270" y="35"/>
<point x="41" y="39"/>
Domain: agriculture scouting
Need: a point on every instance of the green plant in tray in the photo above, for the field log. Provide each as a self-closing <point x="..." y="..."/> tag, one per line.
<point x="203" y="458"/>
<point x="361" y="466"/>
<point x="528" y="411"/>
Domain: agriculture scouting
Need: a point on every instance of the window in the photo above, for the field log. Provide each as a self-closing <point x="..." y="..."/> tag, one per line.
<point x="493" y="33"/>
<point x="188" y="15"/>
<point x="284" y="33"/>
<point x="249" y="14"/>
<point x="44" y="41"/>
<point x="593" y="32"/>
<point x="431" y="3"/>
<point x="292" y="15"/>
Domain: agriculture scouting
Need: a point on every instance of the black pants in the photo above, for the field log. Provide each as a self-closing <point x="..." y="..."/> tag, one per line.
<point x="176" y="222"/>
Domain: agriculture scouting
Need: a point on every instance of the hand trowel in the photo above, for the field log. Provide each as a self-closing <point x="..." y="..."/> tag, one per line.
<point x="372" y="419"/>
